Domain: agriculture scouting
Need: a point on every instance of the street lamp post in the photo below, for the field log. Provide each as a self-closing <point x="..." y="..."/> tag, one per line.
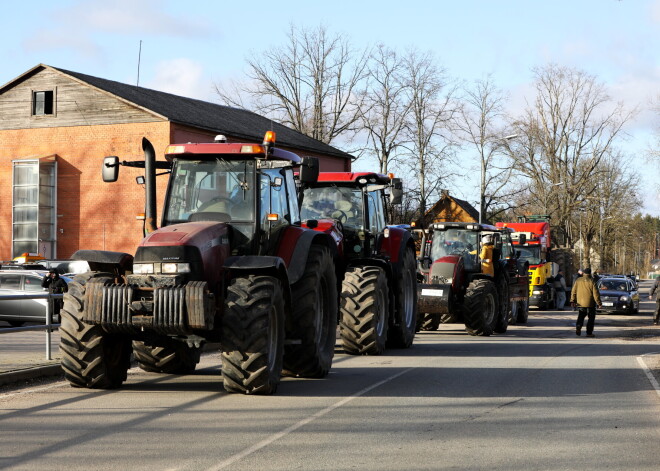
<point x="482" y="186"/>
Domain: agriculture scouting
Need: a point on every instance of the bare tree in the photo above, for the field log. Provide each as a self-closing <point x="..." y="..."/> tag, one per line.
<point x="429" y="130"/>
<point x="310" y="84"/>
<point x="480" y="123"/>
<point x="385" y="106"/>
<point x="567" y="132"/>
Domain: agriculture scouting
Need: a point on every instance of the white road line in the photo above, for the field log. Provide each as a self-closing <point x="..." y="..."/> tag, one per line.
<point x="649" y="374"/>
<point x="296" y="426"/>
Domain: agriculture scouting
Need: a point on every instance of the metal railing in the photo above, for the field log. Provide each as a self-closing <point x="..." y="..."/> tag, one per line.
<point x="48" y="327"/>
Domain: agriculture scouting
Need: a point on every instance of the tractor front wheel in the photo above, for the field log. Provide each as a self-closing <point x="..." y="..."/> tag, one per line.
<point x="481" y="307"/>
<point x="364" y="311"/>
<point x="91" y="357"/>
<point x="171" y="357"/>
<point x="253" y="335"/>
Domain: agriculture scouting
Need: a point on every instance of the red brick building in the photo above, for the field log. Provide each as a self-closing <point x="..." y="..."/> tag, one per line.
<point x="55" y="128"/>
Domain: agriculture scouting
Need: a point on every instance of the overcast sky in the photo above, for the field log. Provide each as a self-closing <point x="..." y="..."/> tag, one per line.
<point x="189" y="45"/>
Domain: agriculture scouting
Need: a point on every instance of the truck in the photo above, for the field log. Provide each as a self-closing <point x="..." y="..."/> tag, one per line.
<point x="533" y="238"/>
<point x="455" y="287"/>
<point x="376" y="262"/>
<point x="230" y="263"/>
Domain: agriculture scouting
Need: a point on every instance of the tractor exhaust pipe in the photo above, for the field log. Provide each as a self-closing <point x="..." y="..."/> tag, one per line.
<point x="150" y="216"/>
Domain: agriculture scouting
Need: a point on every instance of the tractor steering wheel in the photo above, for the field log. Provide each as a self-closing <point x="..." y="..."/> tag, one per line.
<point x="340" y="215"/>
<point x="218" y="199"/>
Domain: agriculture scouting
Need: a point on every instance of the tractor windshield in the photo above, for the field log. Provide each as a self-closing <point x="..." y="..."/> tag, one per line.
<point x="217" y="190"/>
<point x="531" y="254"/>
<point x="456" y="242"/>
<point x="342" y="203"/>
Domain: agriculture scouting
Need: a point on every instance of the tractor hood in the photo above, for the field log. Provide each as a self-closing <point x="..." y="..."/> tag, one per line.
<point x="202" y="234"/>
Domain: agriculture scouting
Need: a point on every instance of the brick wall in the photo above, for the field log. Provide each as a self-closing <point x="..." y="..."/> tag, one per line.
<point x="91" y="214"/>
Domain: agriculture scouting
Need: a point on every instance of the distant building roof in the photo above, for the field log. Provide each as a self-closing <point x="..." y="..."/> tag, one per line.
<point x="466" y="207"/>
<point x="237" y="123"/>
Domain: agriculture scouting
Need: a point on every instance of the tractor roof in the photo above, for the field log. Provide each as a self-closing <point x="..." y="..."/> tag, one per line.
<point x="471" y="226"/>
<point x="356" y="178"/>
<point x="229" y="151"/>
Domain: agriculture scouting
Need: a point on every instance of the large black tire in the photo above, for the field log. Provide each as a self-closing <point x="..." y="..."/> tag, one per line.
<point x="313" y="318"/>
<point x="429" y="321"/>
<point x="523" y="312"/>
<point x="171" y="357"/>
<point x="364" y="311"/>
<point x="449" y="318"/>
<point x="402" y="330"/>
<point x="253" y="335"/>
<point x="504" y="304"/>
<point x="91" y="357"/>
<point x="480" y="307"/>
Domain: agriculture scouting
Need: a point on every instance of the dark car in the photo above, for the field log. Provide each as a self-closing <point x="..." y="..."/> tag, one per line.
<point x="618" y="294"/>
<point x="19" y="311"/>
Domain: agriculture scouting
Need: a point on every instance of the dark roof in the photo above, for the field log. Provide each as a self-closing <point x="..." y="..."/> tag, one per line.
<point x="467" y="207"/>
<point x="234" y="122"/>
<point x="464" y="205"/>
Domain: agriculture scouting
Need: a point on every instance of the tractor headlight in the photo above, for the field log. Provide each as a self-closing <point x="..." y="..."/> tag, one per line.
<point x="143" y="268"/>
<point x="537" y="292"/>
<point x="176" y="268"/>
<point x="623" y="298"/>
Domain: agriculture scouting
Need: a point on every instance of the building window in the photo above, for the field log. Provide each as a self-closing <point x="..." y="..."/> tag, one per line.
<point x="33" y="215"/>
<point x="42" y="103"/>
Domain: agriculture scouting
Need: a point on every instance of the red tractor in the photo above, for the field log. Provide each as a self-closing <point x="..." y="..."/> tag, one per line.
<point x="470" y="274"/>
<point x="377" y="265"/>
<point x="226" y="266"/>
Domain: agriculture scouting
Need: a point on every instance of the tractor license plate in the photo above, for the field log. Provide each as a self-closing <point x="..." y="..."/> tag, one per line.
<point x="431" y="292"/>
<point x="608" y="304"/>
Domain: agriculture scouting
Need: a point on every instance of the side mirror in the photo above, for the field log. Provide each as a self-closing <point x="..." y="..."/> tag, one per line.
<point x="396" y="191"/>
<point x="309" y="170"/>
<point x="110" y="170"/>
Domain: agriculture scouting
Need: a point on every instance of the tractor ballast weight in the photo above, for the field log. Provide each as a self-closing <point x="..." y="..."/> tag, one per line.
<point x="225" y="265"/>
<point x="376" y="261"/>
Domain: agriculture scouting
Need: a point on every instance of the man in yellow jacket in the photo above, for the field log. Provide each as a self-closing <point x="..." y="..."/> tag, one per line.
<point x="586" y="297"/>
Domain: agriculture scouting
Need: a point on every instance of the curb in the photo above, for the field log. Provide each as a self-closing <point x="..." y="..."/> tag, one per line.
<point x="29" y="373"/>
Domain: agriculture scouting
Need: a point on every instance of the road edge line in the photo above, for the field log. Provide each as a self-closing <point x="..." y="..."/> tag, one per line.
<point x="648" y="372"/>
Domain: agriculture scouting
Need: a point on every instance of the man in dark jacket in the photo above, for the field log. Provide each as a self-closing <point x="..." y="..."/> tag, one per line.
<point x="55" y="285"/>
<point x="656" y="289"/>
<point x="586" y="297"/>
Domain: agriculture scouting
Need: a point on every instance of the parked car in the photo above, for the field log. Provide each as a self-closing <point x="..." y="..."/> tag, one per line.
<point x="618" y="294"/>
<point x="19" y="311"/>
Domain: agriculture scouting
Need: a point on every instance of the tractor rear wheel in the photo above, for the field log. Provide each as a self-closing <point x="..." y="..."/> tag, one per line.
<point x="91" y="357"/>
<point x="449" y="318"/>
<point x="171" y="357"/>
<point x="429" y="321"/>
<point x="313" y="318"/>
<point x="364" y="311"/>
<point x="481" y="307"/>
<point x="402" y="330"/>
<point x="253" y="335"/>
<point x="504" y="304"/>
<point x="523" y="312"/>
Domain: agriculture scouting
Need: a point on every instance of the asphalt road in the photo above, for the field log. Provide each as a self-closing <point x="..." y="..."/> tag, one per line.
<point x="537" y="397"/>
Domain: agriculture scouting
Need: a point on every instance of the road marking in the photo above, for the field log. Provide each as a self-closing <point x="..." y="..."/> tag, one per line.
<point x="296" y="426"/>
<point x="649" y="374"/>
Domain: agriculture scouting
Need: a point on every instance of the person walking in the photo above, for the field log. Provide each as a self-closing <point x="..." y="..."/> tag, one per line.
<point x="560" y="289"/>
<point x="586" y="297"/>
<point x="656" y="289"/>
<point x="486" y="255"/>
<point x="55" y="285"/>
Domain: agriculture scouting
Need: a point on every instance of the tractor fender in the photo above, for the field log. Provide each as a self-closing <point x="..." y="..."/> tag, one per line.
<point x="301" y="251"/>
<point x="105" y="261"/>
<point x="393" y="243"/>
<point x="260" y="265"/>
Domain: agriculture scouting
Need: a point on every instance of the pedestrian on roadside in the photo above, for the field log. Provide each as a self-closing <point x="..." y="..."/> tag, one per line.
<point x="55" y="285"/>
<point x="656" y="289"/>
<point x="560" y="289"/>
<point x="586" y="297"/>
